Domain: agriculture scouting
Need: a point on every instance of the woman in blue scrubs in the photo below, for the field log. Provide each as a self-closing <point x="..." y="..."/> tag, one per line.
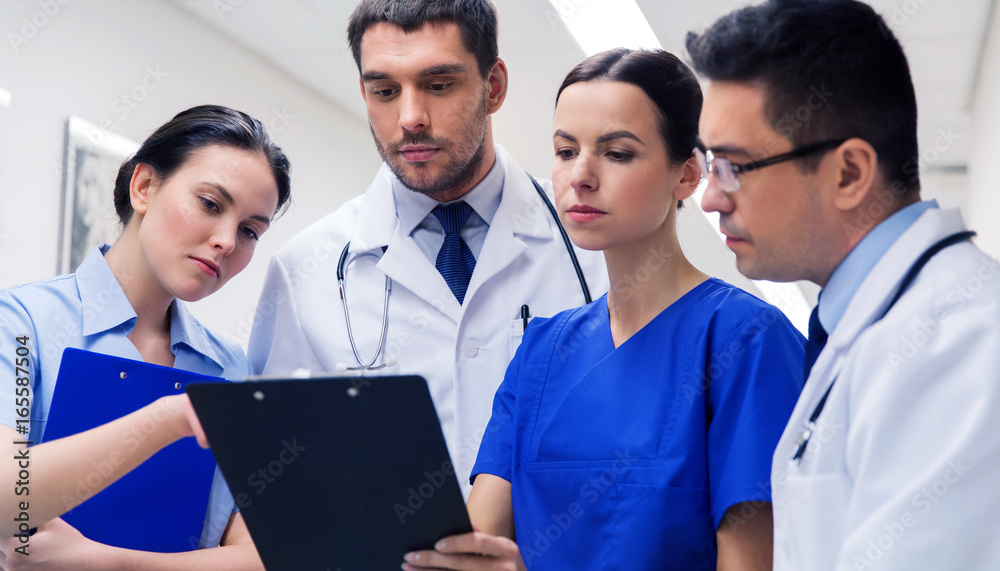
<point x="635" y="432"/>
<point x="193" y="202"/>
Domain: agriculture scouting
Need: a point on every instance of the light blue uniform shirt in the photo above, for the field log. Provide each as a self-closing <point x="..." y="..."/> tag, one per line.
<point x="88" y="310"/>
<point x="854" y="268"/>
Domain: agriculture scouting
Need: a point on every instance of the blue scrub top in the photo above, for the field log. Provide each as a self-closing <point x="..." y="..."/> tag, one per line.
<point x="88" y="310"/>
<point x="628" y="458"/>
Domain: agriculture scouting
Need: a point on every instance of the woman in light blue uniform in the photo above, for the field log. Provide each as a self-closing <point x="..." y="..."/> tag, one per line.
<point x="636" y="432"/>
<point x="193" y="202"/>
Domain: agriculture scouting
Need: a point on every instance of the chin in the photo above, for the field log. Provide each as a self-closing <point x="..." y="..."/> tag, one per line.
<point x="758" y="271"/>
<point x="193" y="293"/>
<point x="589" y="243"/>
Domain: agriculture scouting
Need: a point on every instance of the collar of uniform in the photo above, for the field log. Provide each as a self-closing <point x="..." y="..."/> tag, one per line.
<point x="375" y="227"/>
<point x="185" y="330"/>
<point x="484" y="198"/>
<point x="873" y="294"/>
<point x="520" y="204"/>
<point x="106" y="307"/>
<point x="854" y="268"/>
<point x="103" y="302"/>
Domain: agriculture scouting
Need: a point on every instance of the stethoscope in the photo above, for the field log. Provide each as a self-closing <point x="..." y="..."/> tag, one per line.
<point x="370" y="365"/>
<point x="810" y="426"/>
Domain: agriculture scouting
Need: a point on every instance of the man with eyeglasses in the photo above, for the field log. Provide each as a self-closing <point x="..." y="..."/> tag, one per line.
<point x="891" y="456"/>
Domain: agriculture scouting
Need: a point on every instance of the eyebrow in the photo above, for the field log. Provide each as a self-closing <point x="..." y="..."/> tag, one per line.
<point x="373" y="76"/>
<point x="443" y="69"/>
<point x="724" y="149"/>
<point x="229" y="198"/>
<point x="603" y="138"/>
<point x="619" y="135"/>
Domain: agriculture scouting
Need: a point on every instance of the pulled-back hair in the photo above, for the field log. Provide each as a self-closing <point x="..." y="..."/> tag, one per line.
<point x="170" y="146"/>
<point x="832" y="69"/>
<point x="665" y="80"/>
<point x="476" y="20"/>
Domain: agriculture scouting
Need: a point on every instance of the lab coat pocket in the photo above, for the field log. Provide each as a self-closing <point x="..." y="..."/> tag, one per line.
<point x="516" y="334"/>
<point x="662" y="528"/>
<point x="810" y="519"/>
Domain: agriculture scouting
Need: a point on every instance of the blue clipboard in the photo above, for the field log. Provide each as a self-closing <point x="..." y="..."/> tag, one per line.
<point x="161" y="505"/>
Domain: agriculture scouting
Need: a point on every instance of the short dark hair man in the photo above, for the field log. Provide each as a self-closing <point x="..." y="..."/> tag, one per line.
<point x="810" y="144"/>
<point x="431" y="80"/>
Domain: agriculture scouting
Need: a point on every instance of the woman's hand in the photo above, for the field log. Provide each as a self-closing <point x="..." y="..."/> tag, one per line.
<point x="55" y="546"/>
<point x="181" y="416"/>
<point x="468" y="552"/>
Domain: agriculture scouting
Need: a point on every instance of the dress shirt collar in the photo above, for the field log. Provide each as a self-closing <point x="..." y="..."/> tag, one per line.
<point x="106" y="307"/>
<point x="484" y="198"/>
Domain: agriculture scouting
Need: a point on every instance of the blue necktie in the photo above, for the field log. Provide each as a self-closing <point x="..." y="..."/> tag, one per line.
<point x="454" y="259"/>
<point x="815" y="343"/>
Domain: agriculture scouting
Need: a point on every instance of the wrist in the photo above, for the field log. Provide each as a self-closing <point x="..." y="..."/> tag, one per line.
<point x="163" y="421"/>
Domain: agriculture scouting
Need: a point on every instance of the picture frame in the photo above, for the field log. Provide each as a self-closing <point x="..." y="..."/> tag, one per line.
<point x="92" y="159"/>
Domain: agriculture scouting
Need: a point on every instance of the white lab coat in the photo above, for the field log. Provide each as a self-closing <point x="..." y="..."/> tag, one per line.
<point x="462" y="351"/>
<point x="903" y="472"/>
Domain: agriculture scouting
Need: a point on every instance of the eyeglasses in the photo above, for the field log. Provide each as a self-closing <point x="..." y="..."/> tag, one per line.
<point x="727" y="170"/>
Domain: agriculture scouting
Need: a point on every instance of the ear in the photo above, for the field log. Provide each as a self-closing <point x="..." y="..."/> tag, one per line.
<point x="364" y="94"/>
<point x="497" y="84"/>
<point x="143" y="180"/>
<point x="855" y="163"/>
<point x="690" y="179"/>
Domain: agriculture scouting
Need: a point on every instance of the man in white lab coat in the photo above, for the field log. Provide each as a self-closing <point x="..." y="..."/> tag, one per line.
<point x="810" y="148"/>
<point x="431" y="80"/>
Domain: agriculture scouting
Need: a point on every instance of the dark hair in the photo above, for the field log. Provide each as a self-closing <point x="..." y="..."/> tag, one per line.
<point x="666" y="81"/>
<point x="476" y="20"/>
<point x="832" y="69"/>
<point x="170" y="146"/>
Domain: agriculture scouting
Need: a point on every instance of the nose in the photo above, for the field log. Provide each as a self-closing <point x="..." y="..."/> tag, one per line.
<point x="413" y="115"/>
<point x="224" y="238"/>
<point x="715" y="199"/>
<point x="582" y="177"/>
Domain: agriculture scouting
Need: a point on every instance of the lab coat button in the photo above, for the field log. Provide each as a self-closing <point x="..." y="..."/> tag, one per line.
<point x="470" y="350"/>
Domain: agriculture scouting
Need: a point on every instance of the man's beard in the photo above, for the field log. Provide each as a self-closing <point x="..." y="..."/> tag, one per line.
<point x="462" y="167"/>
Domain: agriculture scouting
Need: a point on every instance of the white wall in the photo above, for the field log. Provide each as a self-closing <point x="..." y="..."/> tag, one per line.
<point x="984" y="161"/>
<point x="80" y="61"/>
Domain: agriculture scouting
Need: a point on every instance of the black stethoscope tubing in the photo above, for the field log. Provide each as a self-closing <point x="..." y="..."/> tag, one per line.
<point x="803" y="440"/>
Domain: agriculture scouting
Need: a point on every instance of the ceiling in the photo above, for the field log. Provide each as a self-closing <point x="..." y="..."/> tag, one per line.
<point x="307" y="40"/>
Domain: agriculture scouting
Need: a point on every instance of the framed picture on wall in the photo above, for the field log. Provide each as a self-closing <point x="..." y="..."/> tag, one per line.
<point x="93" y="157"/>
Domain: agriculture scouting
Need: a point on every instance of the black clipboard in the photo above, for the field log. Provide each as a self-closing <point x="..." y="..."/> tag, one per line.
<point x="159" y="506"/>
<point x="343" y="473"/>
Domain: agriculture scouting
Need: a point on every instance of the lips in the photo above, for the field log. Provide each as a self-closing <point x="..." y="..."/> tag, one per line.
<point x="419" y="153"/>
<point x="732" y="240"/>
<point x="583" y="213"/>
<point x="207" y="266"/>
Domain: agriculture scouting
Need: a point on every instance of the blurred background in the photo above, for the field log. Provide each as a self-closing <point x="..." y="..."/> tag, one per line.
<point x="121" y="68"/>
